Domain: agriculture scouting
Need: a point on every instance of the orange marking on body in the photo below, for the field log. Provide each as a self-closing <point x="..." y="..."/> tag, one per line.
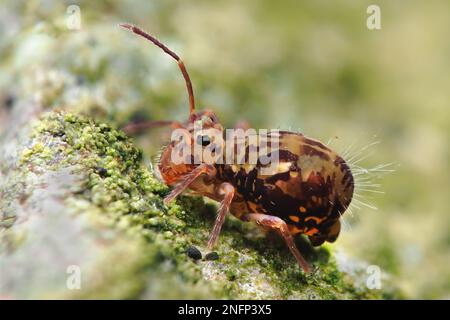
<point x="294" y="218"/>
<point x="252" y="206"/>
<point x="294" y="229"/>
<point x="318" y="220"/>
<point x="311" y="231"/>
<point x="302" y="209"/>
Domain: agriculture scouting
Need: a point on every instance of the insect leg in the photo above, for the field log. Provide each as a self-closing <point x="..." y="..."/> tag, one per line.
<point x="227" y="190"/>
<point x="281" y="227"/>
<point x="187" y="180"/>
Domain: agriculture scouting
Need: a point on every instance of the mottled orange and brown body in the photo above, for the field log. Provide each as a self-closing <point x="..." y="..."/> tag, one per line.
<point x="311" y="188"/>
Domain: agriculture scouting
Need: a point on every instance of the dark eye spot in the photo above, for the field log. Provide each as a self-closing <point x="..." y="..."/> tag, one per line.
<point x="203" y="140"/>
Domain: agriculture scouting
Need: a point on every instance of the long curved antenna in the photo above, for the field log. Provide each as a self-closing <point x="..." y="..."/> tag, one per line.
<point x="156" y="42"/>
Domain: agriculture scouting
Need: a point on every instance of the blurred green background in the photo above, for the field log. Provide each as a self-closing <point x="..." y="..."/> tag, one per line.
<point x="311" y="66"/>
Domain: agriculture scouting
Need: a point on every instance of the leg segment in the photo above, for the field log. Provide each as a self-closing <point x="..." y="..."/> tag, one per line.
<point x="187" y="180"/>
<point x="281" y="227"/>
<point x="227" y="190"/>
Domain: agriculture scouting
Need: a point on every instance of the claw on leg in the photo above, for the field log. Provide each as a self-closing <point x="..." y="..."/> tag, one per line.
<point x="281" y="227"/>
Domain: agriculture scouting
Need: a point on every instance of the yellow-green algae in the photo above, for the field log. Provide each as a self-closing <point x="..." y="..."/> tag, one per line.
<point x="143" y="242"/>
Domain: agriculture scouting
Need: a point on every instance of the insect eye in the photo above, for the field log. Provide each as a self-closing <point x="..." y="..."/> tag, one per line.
<point x="203" y="140"/>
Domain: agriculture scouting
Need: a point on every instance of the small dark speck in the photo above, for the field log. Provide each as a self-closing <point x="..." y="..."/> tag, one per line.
<point x="9" y="101"/>
<point x="194" y="253"/>
<point x="101" y="171"/>
<point x="212" y="256"/>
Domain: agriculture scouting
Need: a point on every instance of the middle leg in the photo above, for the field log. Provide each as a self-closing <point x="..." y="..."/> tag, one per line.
<point x="227" y="191"/>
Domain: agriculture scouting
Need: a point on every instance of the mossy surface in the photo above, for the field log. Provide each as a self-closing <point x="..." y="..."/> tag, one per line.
<point x="83" y="197"/>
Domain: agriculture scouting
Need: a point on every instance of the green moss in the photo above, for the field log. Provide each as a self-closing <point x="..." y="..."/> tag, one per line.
<point x="116" y="192"/>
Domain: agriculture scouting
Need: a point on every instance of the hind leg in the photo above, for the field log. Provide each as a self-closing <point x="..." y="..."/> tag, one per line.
<point x="277" y="224"/>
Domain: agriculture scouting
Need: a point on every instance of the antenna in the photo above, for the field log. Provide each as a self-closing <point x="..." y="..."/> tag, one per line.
<point x="156" y="42"/>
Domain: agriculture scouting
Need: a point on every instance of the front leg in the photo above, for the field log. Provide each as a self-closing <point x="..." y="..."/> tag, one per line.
<point x="188" y="179"/>
<point x="281" y="227"/>
<point x="227" y="191"/>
